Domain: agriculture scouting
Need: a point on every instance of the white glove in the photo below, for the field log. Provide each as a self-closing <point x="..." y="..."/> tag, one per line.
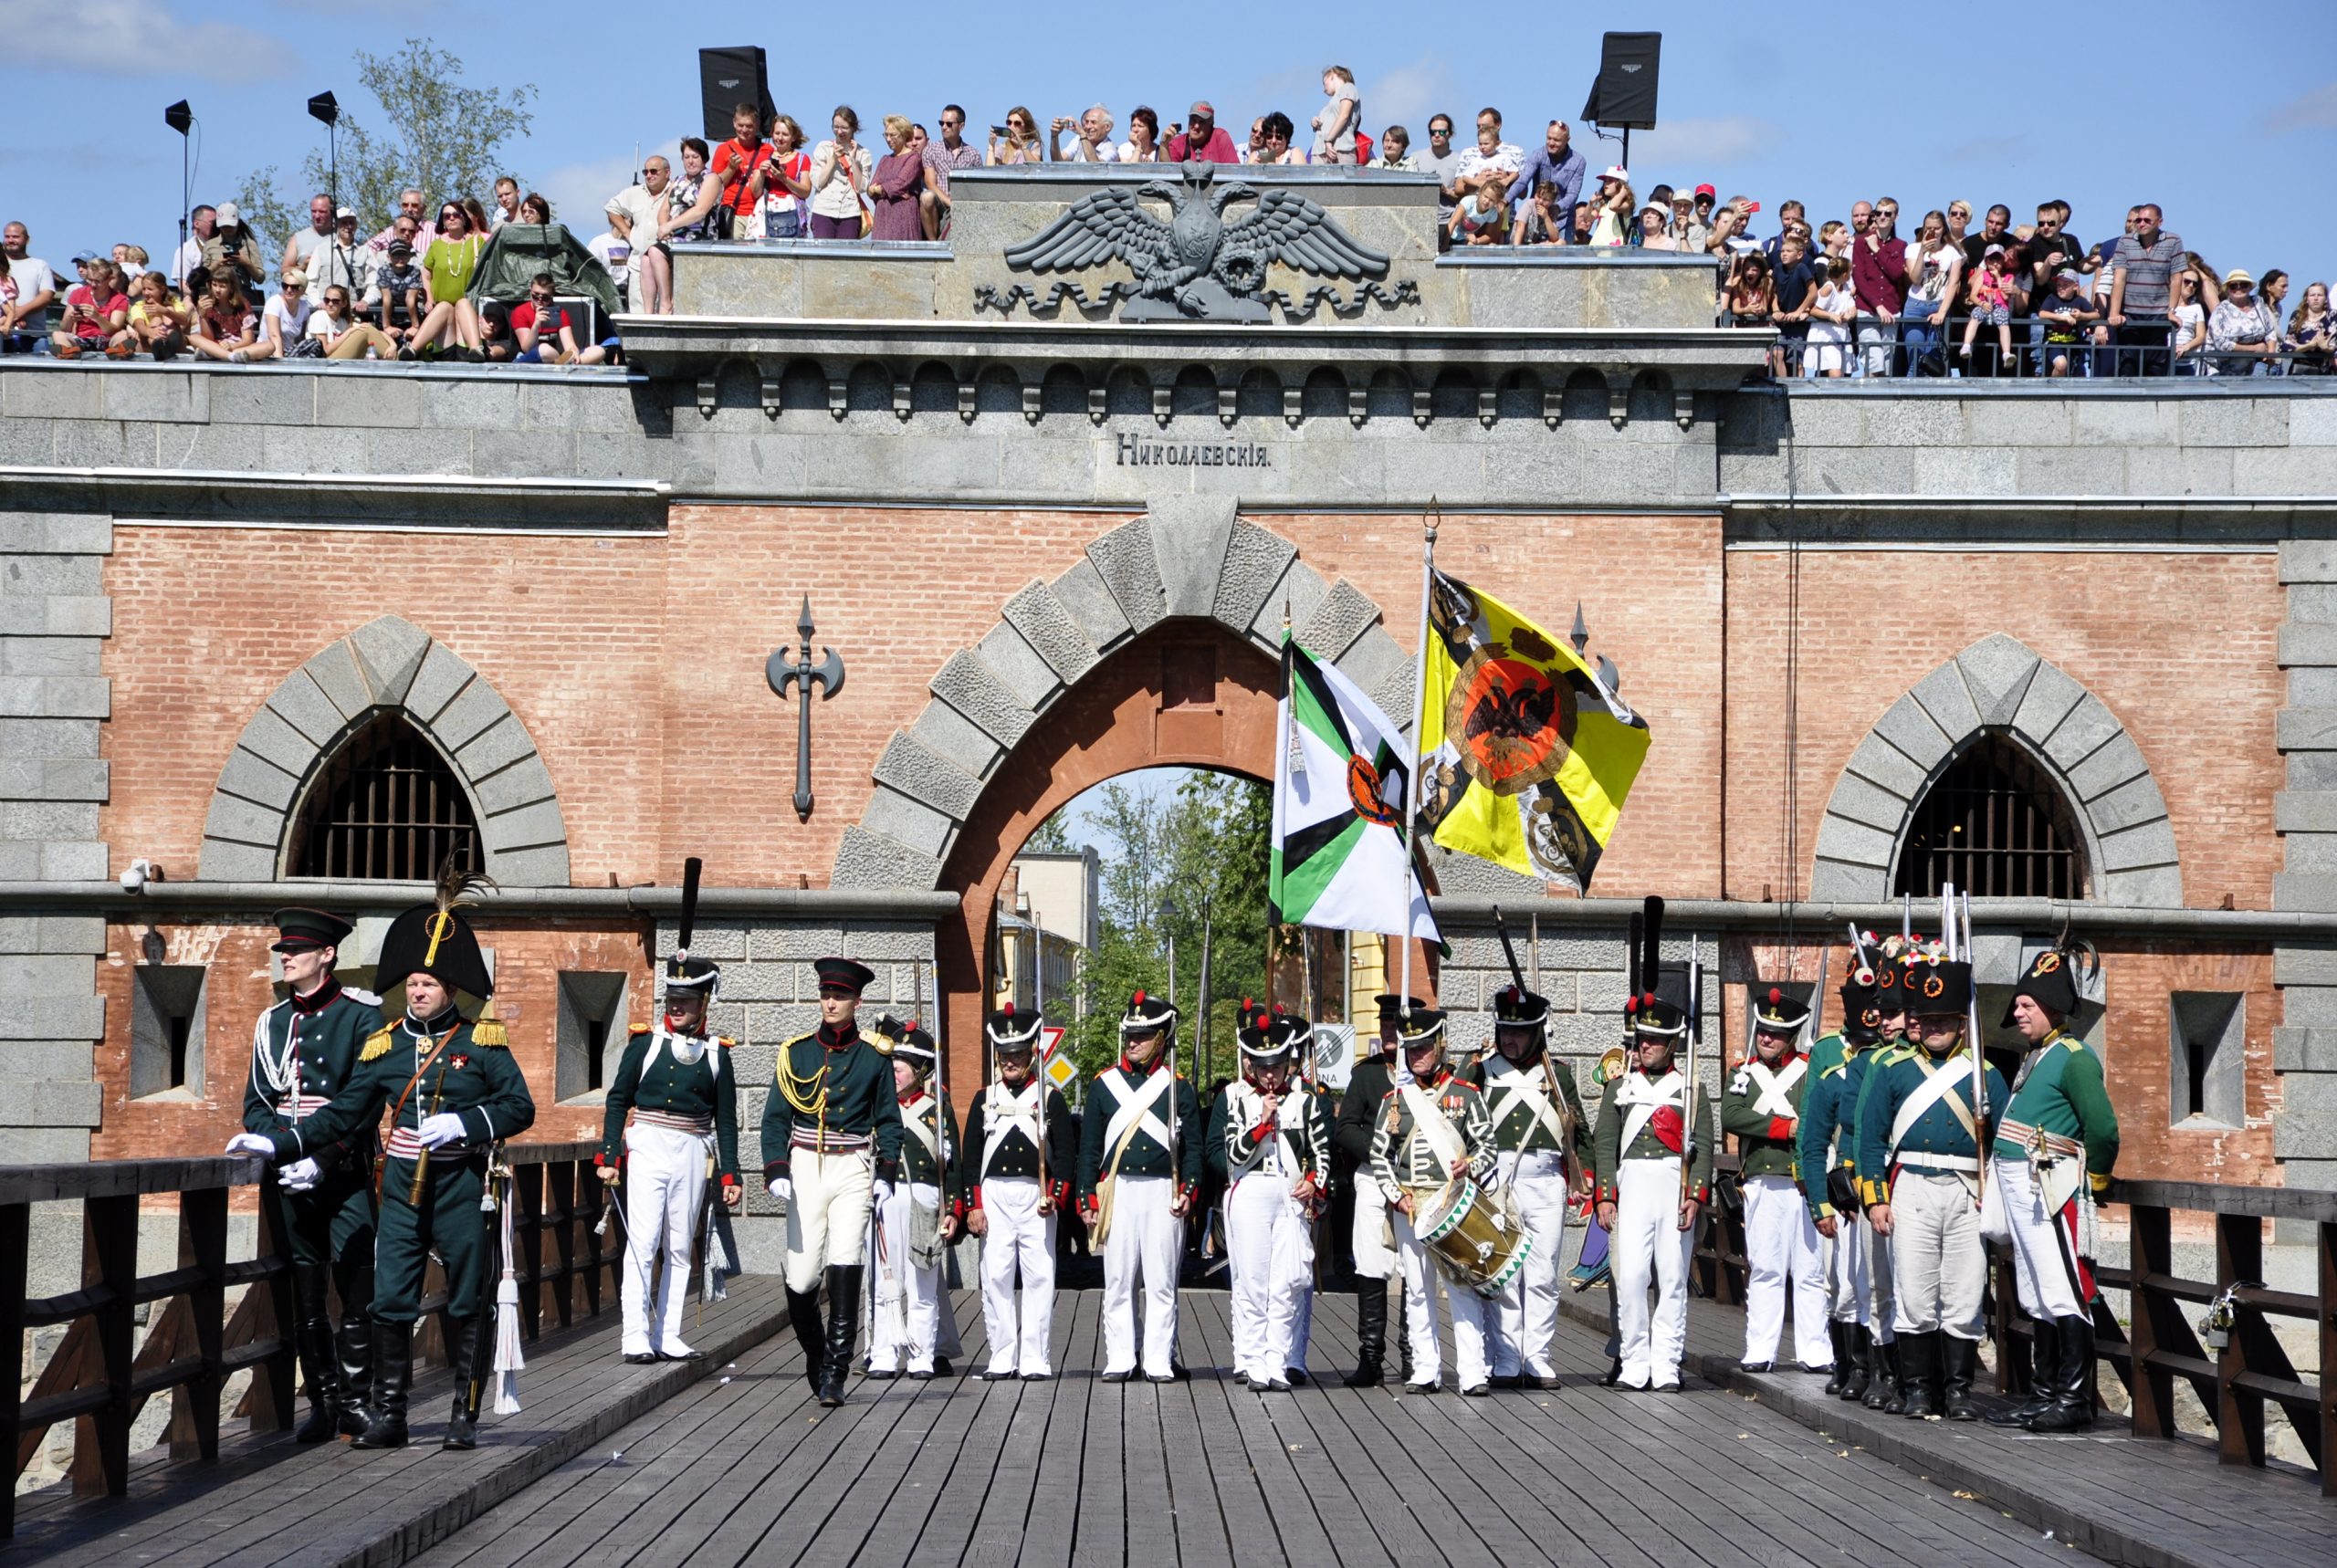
<point x="881" y="1192"/>
<point x="301" y="1176"/>
<point x="784" y="1190"/>
<point x="252" y="1144"/>
<point x="437" y="1132"/>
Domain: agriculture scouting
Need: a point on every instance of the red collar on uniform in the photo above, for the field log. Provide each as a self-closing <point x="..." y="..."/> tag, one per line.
<point x="320" y="998"/>
<point x="1128" y="1064"/>
<point x="1437" y="1081"/>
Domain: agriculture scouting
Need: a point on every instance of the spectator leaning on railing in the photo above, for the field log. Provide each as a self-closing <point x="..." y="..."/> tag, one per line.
<point x="2309" y="335"/>
<point x="840" y="171"/>
<point x="2139" y="296"/>
<point x="2243" y="333"/>
<point x="1091" y="141"/>
<point x="897" y="183"/>
<point x="634" y="215"/>
<point x="1143" y="145"/>
<point x="1203" y="139"/>
<point x="784" y="182"/>
<point x="944" y="157"/>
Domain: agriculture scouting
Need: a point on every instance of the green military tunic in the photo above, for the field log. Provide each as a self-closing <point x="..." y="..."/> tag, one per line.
<point x="1762" y="1106"/>
<point x="420" y="1070"/>
<point x="304" y="1051"/>
<point x="1650" y="1143"/>
<point x="1938" y="1139"/>
<point x="1521" y="1125"/>
<point x="1402" y="1153"/>
<point x="1145" y="1154"/>
<point x="1001" y="1128"/>
<point x="832" y="1089"/>
<point x="1817" y="1151"/>
<point x="1240" y="1138"/>
<point x="652" y="1079"/>
<point x="2059" y="1091"/>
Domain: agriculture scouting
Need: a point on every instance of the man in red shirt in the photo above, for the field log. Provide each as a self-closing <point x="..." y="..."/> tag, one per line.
<point x="1879" y="282"/>
<point x="544" y="334"/>
<point x="1202" y="141"/>
<point x="734" y="166"/>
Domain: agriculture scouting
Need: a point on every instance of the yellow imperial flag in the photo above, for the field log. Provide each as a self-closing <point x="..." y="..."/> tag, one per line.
<point x="1528" y="753"/>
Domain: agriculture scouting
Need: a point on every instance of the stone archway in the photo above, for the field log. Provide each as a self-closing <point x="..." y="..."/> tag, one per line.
<point x="388" y="663"/>
<point x="2000" y="685"/>
<point x="1159" y="647"/>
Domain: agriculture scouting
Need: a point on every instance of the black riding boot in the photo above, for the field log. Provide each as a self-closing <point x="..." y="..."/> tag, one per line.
<point x="843" y="1328"/>
<point x="2044" y="1367"/>
<point x="1403" y="1332"/>
<point x="392" y="1380"/>
<point x="1845" y="1355"/>
<point x="2072" y="1406"/>
<point x="1959" y="1357"/>
<point x="1919" y="1370"/>
<point x="356" y="1347"/>
<point x="461" y="1424"/>
<point x="804" y="1313"/>
<point x="312" y="1345"/>
<point x="1370" y="1334"/>
<point x="1884" y="1393"/>
<point x="1862" y="1356"/>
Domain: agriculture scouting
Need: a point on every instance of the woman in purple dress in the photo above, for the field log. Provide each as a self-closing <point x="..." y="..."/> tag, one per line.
<point x="900" y="176"/>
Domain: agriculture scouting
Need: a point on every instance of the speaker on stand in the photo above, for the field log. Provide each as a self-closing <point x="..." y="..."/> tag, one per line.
<point x="1623" y="98"/>
<point x="727" y="78"/>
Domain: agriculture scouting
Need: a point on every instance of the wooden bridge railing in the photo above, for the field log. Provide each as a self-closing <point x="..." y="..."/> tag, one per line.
<point x="100" y="1378"/>
<point x="2235" y="1383"/>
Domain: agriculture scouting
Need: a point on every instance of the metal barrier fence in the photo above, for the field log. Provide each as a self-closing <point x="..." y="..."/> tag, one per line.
<point x="1874" y="348"/>
<point x="101" y="1379"/>
<point x="2234" y="1380"/>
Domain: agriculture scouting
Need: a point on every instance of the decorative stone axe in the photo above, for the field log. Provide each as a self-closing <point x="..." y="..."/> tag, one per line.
<point x="827" y="674"/>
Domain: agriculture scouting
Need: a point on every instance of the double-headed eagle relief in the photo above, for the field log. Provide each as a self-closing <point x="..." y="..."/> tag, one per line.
<point x="1197" y="266"/>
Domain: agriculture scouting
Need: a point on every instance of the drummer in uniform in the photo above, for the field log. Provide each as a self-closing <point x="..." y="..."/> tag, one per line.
<point x="2056" y="1144"/>
<point x="676" y="1081"/>
<point x="1762" y="1106"/>
<point x="453" y="1093"/>
<point x="831" y="1150"/>
<point x="1020" y="1158"/>
<point x="1268" y="1141"/>
<point x="1543" y="1143"/>
<point x="304" y="1050"/>
<point x="919" y="1219"/>
<point x="1829" y="1189"/>
<point x="1139" y="1173"/>
<point x="1432" y="1130"/>
<point x="1919" y="1176"/>
<point x="1371" y="1239"/>
<point x="1649" y="1211"/>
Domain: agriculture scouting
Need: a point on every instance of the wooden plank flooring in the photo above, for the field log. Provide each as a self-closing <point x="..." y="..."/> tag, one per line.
<point x="1202" y="1471"/>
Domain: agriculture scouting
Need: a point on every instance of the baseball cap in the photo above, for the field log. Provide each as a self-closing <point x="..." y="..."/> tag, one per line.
<point x="2069" y="274"/>
<point x="344" y="212"/>
<point x="401" y="246"/>
<point x="226" y="213"/>
<point x="1708" y="190"/>
<point x="83" y="258"/>
<point x="1992" y="250"/>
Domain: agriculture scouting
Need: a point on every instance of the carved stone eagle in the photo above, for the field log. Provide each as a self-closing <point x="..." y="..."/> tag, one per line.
<point x="1197" y="263"/>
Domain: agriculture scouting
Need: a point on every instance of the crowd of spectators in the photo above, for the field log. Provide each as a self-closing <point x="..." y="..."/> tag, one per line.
<point x="1845" y="299"/>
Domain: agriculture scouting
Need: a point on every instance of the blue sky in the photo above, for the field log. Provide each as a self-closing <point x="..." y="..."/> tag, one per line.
<point x="2229" y="120"/>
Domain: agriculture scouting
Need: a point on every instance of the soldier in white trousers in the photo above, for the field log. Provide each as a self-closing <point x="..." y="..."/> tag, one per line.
<point x="1139" y="1173"/>
<point x="1761" y="1107"/>
<point x="1267" y="1139"/>
<point x="1019" y="1162"/>
<point x="1544" y="1141"/>
<point x="919" y="1220"/>
<point x="1371" y="1239"/>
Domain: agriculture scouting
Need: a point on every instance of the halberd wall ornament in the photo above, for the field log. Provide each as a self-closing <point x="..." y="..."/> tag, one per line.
<point x="1197" y="266"/>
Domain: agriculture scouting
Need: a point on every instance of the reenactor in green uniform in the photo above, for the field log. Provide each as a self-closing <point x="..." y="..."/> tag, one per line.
<point x="1649" y="1209"/>
<point x="1269" y="1144"/>
<point x="682" y="1144"/>
<point x="831" y="1150"/>
<point x="304" y="1051"/>
<point x="2056" y="1144"/>
<point x="1919" y="1167"/>
<point x="1020" y="1156"/>
<point x="1825" y="1161"/>
<point x="1543" y="1144"/>
<point x="919" y="1219"/>
<point x="452" y="1093"/>
<point x="1882" y="1389"/>
<point x="1432" y="1128"/>
<point x="1139" y="1174"/>
<point x="1762" y="1106"/>
<point x="1371" y="1239"/>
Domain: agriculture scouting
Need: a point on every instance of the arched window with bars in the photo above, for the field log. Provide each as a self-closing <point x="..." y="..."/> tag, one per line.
<point x="1998" y="826"/>
<point x="387" y="808"/>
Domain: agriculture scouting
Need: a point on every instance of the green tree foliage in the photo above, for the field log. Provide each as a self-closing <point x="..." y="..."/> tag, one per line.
<point x="443" y="137"/>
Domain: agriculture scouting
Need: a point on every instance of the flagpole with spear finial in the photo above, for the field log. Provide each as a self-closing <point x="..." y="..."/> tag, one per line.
<point x="1412" y="778"/>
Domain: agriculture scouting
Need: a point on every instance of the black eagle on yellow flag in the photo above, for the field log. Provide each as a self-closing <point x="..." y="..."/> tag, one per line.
<point x="1527" y="753"/>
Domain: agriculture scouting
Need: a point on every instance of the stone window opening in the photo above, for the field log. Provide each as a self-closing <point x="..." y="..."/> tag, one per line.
<point x="166" y="1028"/>
<point x="387" y="808"/>
<point x="2206" y="1047"/>
<point x="590" y="1034"/>
<point x="1994" y="824"/>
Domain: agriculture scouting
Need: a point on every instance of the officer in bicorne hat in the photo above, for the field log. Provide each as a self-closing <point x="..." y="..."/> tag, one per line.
<point x="678" y="1081"/>
<point x="453" y="1093"/>
<point x="2056" y="1144"/>
<point x="1649" y="1212"/>
<point x="1021" y="1157"/>
<point x="1269" y="1142"/>
<point x="1763" y="1107"/>
<point x="1433" y="1128"/>
<point x="920" y="1218"/>
<point x="831" y="1150"/>
<point x="1139" y="1173"/>
<point x="304" y="1051"/>
<point x="1829" y="1191"/>
<point x="1543" y="1144"/>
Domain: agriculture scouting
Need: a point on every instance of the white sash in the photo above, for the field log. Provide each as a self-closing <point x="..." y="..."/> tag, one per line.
<point x="1429" y="1123"/>
<point x="1248" y="1109"/>
<point x="1775" y="1087"/>
<point x="1004" y="1112"/>
<point x="913" y="1122"/>
<point x="1643" y="1097"/>
<point x="1137" y="1107"/>
<point x="1938" y="1084"/>
<point x="1512" y="1087"/>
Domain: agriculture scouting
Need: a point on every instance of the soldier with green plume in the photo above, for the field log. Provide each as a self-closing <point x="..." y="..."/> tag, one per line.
<point x="1763" y="1107"/>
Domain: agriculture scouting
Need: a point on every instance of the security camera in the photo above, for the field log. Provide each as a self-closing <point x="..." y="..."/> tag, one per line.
<point x="140" y="874"/>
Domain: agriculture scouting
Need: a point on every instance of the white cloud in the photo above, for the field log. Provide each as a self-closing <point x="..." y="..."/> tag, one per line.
<point x="1703" y="144"/>
<point x="2314" y="110"/>
<point x="578" y="192"/>
<point x="135" y="37"/>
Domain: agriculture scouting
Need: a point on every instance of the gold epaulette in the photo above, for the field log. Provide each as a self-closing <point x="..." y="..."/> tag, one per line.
<point x="726" y="1042"/>
<point x="641" y="1029"/>
<point x="884" y="1043"/>
<point x="377" y="1045"/>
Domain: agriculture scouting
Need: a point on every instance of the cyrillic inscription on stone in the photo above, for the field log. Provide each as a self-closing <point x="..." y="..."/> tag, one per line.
<point x="1136" y="452"/>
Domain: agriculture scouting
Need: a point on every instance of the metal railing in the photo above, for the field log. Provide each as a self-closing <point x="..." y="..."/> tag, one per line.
<point x="100" y="1378"/>
<point x="1932" y="349"/>
<point x="2235" y="1381"/>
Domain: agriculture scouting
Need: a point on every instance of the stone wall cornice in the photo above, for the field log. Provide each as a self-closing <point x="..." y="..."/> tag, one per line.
<point x="198" y="899"/>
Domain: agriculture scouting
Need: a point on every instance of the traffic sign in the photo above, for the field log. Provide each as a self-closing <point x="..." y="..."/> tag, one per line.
<point x="1060" y="1071"/>
<point x="1050" y="1037"/>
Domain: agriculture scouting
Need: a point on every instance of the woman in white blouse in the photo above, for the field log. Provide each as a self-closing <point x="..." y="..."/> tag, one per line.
<point x="841" y="169"/>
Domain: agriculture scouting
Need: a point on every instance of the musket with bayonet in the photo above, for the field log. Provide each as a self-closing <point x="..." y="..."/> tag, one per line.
<point x="1688" y="1091"/>
<point x="1567" y="1129"/>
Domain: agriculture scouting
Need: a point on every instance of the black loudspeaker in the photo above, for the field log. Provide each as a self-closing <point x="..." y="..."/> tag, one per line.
<point x="727" y="78"/>
<point x="1623" y="98"/>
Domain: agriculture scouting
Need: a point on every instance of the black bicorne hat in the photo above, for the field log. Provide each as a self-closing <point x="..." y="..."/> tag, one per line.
<point x="435" y="938"/>
<point x="2050" y="981"/>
